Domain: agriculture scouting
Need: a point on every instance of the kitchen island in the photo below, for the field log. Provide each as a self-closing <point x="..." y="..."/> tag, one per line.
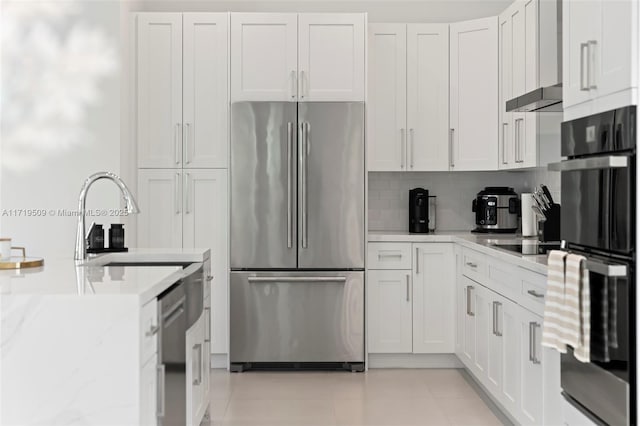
<point x="80" y="343"/>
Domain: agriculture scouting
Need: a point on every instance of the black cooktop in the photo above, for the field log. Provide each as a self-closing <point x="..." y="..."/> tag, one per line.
<point x="529" y="249"/>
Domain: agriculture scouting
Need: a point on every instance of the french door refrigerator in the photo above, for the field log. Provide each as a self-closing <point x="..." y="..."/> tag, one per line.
<point x="297" y="235"/>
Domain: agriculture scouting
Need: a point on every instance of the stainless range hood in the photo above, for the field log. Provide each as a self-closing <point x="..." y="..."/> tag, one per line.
<point x="548" y="97"/>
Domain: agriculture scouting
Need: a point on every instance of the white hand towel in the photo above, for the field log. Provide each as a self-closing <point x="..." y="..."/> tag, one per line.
<point x="577" y="270"/>
<point x="553" y="325"/>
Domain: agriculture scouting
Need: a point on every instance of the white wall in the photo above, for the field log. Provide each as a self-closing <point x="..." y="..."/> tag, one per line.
<point x="61" y="118"/>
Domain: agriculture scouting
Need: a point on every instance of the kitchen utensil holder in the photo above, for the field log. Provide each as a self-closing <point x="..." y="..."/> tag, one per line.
<point x="549" y="228"/>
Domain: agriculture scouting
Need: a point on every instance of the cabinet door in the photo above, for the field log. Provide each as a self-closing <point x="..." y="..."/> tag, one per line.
<point x="206" y="225"/>
<point x="496" y="343"/>
<point x="482" y="318"/>
<point x="433" y="298"/>
<point x="615" y="54"/>
<point x="160" y="202"/>
<point x="531" y="364"/>
<point x="427" y="97"/>
<point x="149" y="392"/>
<point x="389" y="311"/>
<point x="508" y="326"/>
<point x="159" y="89"/>
<point x="205" y="103"/>
<point x="331" y="56"/>
<point x="264" y="56"/>
<point x="195" y="375"/>
<point x="468" y="318"/>
<point x="474" y="94"/>
<point x="387" y="97"/>
<point x="506" y="154"/>
<point x="580" y="24"/>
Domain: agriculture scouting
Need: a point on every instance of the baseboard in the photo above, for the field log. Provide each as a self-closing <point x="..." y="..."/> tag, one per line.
<point x="219" y="361"/>
<point x="414" y="361"/>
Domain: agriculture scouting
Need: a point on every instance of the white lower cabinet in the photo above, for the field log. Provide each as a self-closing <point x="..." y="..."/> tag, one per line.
<point x="412" y="310"/>
<point x="499" y="341"/>
<point x="149" y="392"/>
<point x="196" y="403"/>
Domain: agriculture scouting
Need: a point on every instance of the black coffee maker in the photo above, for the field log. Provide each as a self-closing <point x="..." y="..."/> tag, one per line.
<point x="418" y="211"/>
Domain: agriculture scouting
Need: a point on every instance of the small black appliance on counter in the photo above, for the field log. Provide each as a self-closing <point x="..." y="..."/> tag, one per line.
<point x="418" y="211"/>
<point x="497" y="209"/>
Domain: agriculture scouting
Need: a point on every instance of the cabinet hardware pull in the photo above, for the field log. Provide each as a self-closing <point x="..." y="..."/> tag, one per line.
<point x="198" y="347"/>
<point x="176" y="143"/>
<point x="469" y="288"/>
<point x="389" y="254"/>
<point x="451" y="162"/>
<point x="532" y="342"/>
<point x="408" y="289"/>
<point x="207" y="325"/>
<point x="493" y="318"/>
<point x="417" y="260"/>
<point x="301" y="84"/>
<point x="160" y="394"/>
<point x="185" y="147"/>
<point x="403" y="154"/>
<point x="411" y="141"/>
<point x="536" y="294"/>
<point x="289" y="213"/>
<point x="504" y="143"/>
<point x="472" y="265"/>
<point x="152" y="330"/>
<point x="583" y="87"/>
<point x="293" y="84"/>
<point x="210" y="278"/>
<point x="497" y="306"/>
<point x="177" y="193"/>
<point x="187" y="190"/>
<point x="591" y="60"/>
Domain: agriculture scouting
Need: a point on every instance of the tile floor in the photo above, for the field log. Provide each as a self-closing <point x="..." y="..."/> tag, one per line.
<point x="377" y="398"/>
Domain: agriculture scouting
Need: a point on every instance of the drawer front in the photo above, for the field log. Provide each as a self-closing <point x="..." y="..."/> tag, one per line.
<point x="474" y="265"/>
<point x="389" y="256"/>
<point x="504" y="279"/>
<point x="149" y="331"/>
<point x="534" y="287"/>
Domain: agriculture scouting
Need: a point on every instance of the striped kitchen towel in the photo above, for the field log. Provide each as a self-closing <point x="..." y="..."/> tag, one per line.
<point x="554" y="323"/>
<point x="578" y="307"/>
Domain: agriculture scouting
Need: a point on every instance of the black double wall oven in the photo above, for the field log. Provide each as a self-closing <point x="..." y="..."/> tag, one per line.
<point x="598" y="221"/>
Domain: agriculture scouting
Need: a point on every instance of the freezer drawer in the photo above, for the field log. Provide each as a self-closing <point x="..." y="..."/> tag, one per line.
<point x="297" y="317"/>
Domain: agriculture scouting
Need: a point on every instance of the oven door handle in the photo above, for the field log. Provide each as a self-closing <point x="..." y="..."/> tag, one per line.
<point x="593" y="163"/>
<point x="606" y="269"/>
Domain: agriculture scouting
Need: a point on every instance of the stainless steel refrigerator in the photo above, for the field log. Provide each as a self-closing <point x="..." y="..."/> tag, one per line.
<point x="297" y="234"/>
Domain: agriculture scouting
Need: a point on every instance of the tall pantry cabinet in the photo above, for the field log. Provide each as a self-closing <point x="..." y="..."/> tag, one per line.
<point x="182" y="122"/>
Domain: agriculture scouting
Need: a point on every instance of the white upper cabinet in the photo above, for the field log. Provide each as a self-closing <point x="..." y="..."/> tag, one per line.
<point x="205" y="69"/>
<point x="600" y="55"/>
<point x="331" y="56"/>
<point x="408" y="99"/>
<point x="160" y="201"/>
<point x="473" y="117"/>
<point x="159" y="89"/>
<point x="427" y="96"/>
<point x="291" y="57"/>
<point x="182" y="103"/>
<point x="505" y="31"/>
<point x="264" y="57"/>
<point x="387" y="97"/>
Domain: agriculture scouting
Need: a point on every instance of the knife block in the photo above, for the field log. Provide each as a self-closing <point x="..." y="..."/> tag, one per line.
<point x="549" y="229"/>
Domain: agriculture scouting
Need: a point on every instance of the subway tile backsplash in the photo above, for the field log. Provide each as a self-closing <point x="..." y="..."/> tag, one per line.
<point x="389" y="194"/>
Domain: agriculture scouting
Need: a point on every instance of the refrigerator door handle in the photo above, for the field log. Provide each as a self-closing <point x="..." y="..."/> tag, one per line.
<point x="289" y="141"/>
<point x="305" y="184"/>
<point x="302" y="183"/>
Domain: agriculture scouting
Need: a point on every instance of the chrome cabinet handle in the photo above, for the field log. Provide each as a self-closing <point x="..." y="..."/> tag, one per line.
<point x="583" y="87"/>
<point x="152" y="330"/>
<point x="187" y="190"/>
<point x="198" y="347"/>
<point x="408" y="289"/>
<point x="471" y="265"/>
<point x="207" y="325"/>
<point x="532" y="342"/>
<point x="403" y="154"/>
<point x="451" y="161"/>
<point x="496" y="306"/>
<point x="387" y="253"/>
<point x="293" y="84"/>
<point x="411" y="146"/>
<point x="303" y="279"/>
<point x="289" y="213"/>
<point x="536" y="294"/>
<point x="591" y="60"/>
<point x="185" y="145"/>
<point x="520" y="156"/>
<point x="176" y="143"/>
<point x="417" y="260"/>
<point x="160" y="393"/>
<point x="469" y="288"/>
<point x="209" y="277"/>
<point x="504" y="142"/>
<point x="177" y="193"/>
<point x="302" y="85"/>
<point x="592" y="163"/>
<point x="493" y="318"/>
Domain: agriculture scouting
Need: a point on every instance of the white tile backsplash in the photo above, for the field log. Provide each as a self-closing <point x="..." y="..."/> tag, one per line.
<point x="389" y="194"/>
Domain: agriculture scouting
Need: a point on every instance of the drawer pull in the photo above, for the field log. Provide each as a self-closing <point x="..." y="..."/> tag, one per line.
<point x="389" y="254"/>
<point x="472" y="265"/>
<point x="536" y="294"/>
<point x="153" y="330"/>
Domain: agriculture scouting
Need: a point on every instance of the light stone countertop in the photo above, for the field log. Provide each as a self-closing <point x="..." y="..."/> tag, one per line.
<point x="480" y="242"/>
<point x="63" y="277"/>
